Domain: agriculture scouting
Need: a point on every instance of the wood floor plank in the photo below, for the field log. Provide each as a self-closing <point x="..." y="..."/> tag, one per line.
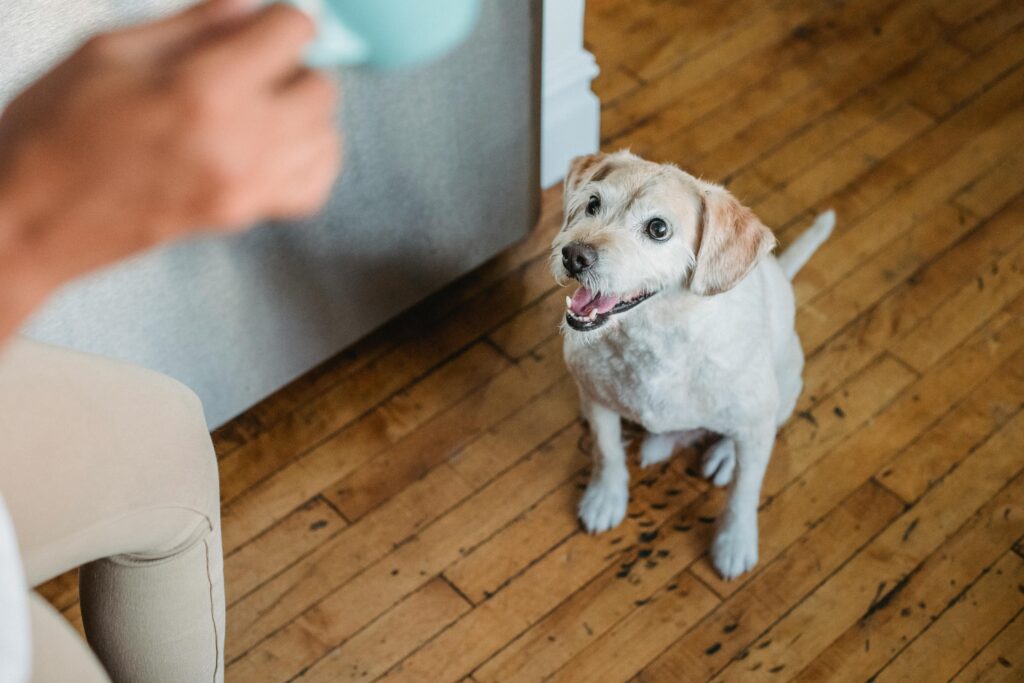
<point x="638" y="637"/>
<point x="937" y="452"/>
<point x="281" y="599"/>
<point x="271" y="552"/>
<point x="780" y="146"/>
<point x="997" y="186"/>
<point x="368" y="540"/>
<point x="925" y="594"/>
<point x="397" y="632"/>
<point x="855" y="115"/>
<point x="844" y="251"/>
<point x="559" y="574"/>
<point x="984" y="30"/>
<point x="896" y="315"/>
<point x="727" y="115"/>
<point x="885" y="563"/>
<point x="838" y="306"/>
<point x="73" y="614"/>
<point x="973" y="77"/>
<point x="828" y="312"/>
<point x="838" y="416"/>
<point x="330" y="412"/>
<point x="61" y="591"/>
<point x="385" y="426"/>
<point x="844" y="164"/>
<point x="908" y="175"/>
<point x="1002" y="660"/>
<point x="823" y="59"/>
<point x="614" y="82"/>
<point x="847" y="98"/>
<point x="964" y="311"/>
<point x="653" y="563"/>
<point x="348" y="597"/>
<point x="484" y="569"/>
<point x="655" y="39"/>
<point x="959" y="13"/>
<point x="742" y="54"/>
<point x="650" y="38"/>
<point x="944" y="648"/>
<point x="364" y="489"/>
<point x="539" y="320"/>
<point x="676" y="33"/>
<point x="727" y="632"/>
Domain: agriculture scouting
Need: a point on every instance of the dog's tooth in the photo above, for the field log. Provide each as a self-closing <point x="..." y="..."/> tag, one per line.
<point x="568" y="302"/>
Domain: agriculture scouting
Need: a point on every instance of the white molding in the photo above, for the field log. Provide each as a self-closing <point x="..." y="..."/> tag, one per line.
<point x="570" y="112"/>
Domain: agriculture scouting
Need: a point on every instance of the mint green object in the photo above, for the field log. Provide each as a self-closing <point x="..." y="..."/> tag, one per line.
<point x="386" y="34"/>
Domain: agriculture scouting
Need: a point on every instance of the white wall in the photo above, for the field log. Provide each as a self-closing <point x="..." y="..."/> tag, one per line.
<point x="570" y="112"/>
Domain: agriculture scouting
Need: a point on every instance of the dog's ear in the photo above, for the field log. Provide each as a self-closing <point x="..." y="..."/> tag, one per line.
<point x="580" y="168"/>
<point x="731" y="241"/>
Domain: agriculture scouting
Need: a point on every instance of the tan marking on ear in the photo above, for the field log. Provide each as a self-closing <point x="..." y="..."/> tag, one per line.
<point x="579" y="168"/>
<point x="603" y="171"/>
<point x="732" y="240"/>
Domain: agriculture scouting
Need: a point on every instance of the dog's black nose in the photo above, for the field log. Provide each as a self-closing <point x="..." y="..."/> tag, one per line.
<point x="578" y="257"/>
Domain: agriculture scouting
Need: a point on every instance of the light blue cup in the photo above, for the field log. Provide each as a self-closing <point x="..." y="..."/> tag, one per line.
<point x="386" y="34"/>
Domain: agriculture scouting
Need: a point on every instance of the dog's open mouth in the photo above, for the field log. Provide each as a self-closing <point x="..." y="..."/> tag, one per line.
<point x="587" y="310"/>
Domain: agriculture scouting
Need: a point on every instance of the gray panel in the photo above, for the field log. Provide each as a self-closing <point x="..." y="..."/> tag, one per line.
<point x="441" y="173"/>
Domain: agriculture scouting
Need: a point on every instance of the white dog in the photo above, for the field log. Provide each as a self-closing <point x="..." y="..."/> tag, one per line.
<point x="683" y="323"/>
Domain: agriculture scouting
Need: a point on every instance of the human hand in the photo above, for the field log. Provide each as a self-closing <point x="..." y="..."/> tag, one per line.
<point x="202" y="121"/>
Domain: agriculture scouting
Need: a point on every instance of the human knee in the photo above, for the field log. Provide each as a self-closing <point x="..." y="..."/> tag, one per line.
<point x="176" y="463"/>
<point x="191" y="464"/>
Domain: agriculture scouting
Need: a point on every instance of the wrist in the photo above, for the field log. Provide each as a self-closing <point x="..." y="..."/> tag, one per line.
<point x="26" y="279"/>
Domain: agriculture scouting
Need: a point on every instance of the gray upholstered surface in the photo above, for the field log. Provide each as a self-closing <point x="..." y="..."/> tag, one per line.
<point x="441" y="173"/>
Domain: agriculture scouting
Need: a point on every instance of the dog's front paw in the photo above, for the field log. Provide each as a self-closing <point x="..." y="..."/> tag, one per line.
<point x="734" y="550"/>
<point x="719" y="462"/>
<point x="603" y="505"/>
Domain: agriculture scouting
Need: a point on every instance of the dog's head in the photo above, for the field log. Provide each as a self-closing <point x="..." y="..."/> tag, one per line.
<point x="634" y="229"/>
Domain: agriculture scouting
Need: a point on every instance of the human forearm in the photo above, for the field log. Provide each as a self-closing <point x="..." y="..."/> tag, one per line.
<point x="25" y="281"/>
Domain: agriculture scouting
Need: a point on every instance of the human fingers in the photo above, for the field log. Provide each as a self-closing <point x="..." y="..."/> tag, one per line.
<point x="304" y="179"/>
<point x="262" y="48"/>
<point x="185" y="25"/>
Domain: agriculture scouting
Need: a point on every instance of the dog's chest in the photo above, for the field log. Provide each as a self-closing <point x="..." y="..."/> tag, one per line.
<point x="646" y="381"/>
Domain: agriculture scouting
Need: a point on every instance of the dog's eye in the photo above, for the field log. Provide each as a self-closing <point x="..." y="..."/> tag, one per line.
<point x="594" y="205"/>
<point x="657" y="229"/>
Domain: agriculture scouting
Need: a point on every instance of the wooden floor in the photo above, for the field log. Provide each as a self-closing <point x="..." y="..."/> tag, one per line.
<point x="405" y="512"/>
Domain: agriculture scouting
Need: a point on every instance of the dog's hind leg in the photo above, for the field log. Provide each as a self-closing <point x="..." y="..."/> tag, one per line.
<point x="719" y="461"/>
<point x="604" y="503"/>
<point x="659" y="447"/>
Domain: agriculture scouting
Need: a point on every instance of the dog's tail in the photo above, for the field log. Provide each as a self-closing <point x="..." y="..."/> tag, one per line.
<point x="798" y="253"/>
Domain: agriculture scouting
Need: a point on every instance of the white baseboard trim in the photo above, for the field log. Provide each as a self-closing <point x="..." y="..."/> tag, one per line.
<point x="570" y="112"/>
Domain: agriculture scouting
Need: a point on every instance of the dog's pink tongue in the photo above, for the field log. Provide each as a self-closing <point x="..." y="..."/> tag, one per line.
<point x="584" y="301"/>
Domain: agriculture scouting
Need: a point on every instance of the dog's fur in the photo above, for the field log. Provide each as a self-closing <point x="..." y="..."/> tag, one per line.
<point x="713" y="350"/>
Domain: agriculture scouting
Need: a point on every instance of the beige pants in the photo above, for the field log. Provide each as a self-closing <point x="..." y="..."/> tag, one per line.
<point x="110" y="467"/>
